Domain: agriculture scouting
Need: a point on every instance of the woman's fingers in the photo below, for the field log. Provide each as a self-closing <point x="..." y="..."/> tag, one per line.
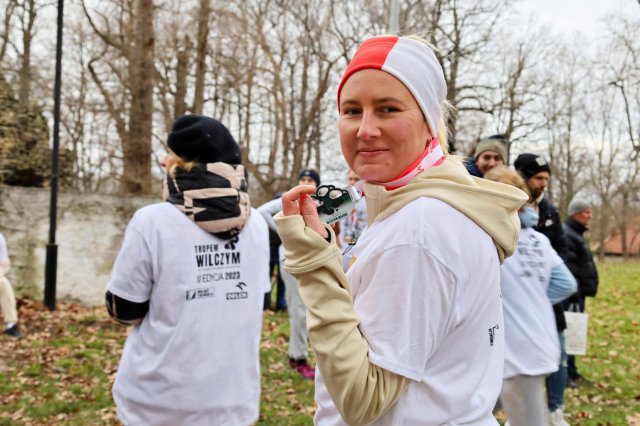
<point x="309" y="211"/>
<point x="298" y="201"/>
<point x="291" y="197"/>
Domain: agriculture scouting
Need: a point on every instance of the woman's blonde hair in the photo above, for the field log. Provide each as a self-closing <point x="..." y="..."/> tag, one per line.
<point x="508" y="176"/>
<point x="181" y="164"/>
<point x="443" y="125"/>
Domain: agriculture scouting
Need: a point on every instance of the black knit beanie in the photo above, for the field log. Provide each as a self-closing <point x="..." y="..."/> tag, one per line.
<point x="312" y="173"/>
<point x="203" y="139"/>
<point x="531" y="164"/>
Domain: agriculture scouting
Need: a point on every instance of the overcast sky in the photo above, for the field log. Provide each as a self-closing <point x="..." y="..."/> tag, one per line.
<point x="572" y="16"/>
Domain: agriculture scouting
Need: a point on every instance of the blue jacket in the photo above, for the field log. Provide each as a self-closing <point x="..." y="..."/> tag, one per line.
<point x="470" y="164"/>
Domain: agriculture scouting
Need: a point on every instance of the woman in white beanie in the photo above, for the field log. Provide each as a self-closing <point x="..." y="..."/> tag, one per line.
<point x="413" y="333"/>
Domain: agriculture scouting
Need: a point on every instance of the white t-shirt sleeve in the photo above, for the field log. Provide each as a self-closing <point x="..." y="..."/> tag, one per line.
<point x="4" y="253"/>
<point x="270" y="209"/>
<point x="132" y="275"/>
<point x="558" y="289"/>
<point x="406" y="304"/>
<point x="264" y="251"/>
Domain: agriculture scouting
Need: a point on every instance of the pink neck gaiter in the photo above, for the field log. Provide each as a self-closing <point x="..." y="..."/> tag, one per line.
<point x="431" y="157"/>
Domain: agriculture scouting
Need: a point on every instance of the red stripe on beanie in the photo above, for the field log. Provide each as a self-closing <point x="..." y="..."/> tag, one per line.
<point x="371" y="54"/>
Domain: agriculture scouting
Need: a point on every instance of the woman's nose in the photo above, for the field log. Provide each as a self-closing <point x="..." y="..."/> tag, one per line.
<point x="368" y="126"/>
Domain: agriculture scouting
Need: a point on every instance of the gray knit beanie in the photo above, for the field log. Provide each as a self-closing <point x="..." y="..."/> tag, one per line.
<point x="495" y="143"/>
<point x="577" y="205"/>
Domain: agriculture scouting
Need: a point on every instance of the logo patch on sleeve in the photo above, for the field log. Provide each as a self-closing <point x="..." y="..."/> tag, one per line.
<point x="492" y="334"/>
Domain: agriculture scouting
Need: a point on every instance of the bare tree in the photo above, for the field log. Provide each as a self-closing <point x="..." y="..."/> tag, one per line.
<point x="137" y="152"/>
<point x="520" y="84"/>
<point x="85" y="122"/>
<point x="174" y="58"/>
<point x="6" y="27"/>
<point x="625" y="73"/>
<point x="204" y="15"/>
<point x="562" y="100"/>
<point x="273" y="82"/>
<point x="623" y="66"/>
<point x="127" y="54"/>
<point x="26" y="13"/>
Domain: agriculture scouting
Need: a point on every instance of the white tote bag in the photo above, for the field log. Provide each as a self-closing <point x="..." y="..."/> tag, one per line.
<point x="575" y="335"/>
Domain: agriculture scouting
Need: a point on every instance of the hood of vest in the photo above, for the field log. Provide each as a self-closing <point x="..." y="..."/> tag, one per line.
<point x="491" y="205"/>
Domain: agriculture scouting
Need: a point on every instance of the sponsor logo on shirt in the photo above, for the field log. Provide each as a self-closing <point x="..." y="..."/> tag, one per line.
<point x="492" y="334"/>
<point x="200" y="293"/>
<point x="237" y="295"/>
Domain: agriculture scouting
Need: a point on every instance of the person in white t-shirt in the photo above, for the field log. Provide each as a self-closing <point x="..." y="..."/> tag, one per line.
<point x="413" y="333"/>
<point x="7" y="297"/>
<point x="191" y="277"/>
<point x="298" y="338"/>
<point x="532" y="280"/>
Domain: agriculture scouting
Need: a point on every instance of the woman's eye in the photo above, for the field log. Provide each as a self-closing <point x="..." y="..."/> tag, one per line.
<point x="351" y="111"/>
<point x="389" y="109"/>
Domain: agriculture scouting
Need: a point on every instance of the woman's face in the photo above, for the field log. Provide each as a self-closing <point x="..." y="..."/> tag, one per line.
<point x="382" y="129"/>
<point x="307" y="180"/>
<point x="169" y="160"/>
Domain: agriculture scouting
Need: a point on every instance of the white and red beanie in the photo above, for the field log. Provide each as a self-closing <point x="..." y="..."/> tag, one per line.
<point x="413" y="63"/>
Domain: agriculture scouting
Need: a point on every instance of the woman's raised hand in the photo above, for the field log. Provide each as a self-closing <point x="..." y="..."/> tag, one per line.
<point x="298" y="201"/>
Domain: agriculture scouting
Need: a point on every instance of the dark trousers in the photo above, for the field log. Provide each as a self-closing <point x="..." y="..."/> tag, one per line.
<point x="281" y="301"/>
<point x="556" y="382"/>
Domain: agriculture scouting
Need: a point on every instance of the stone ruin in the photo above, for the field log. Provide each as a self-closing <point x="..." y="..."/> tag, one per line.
<point x="25" y="155"/>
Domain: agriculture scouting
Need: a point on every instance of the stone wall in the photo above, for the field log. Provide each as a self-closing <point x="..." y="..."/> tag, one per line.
<point x="90" y="229"/>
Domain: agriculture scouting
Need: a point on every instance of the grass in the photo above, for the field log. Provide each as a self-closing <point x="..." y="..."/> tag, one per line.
<point x="61" y="373"/>
<point x="613" y="356"/>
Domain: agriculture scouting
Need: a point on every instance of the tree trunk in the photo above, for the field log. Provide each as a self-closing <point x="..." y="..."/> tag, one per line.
<point x="201" y="53"/>
<point x="24" y="89"/>
<point x="624" y="224"/>
<point x="136" y="177"/>
<point x="182" y="69"/>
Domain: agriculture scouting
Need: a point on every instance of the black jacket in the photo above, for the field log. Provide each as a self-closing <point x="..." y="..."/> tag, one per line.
<point x="274" y="246"/>
<point x="580" y="259"/>
<point x="550" y="225"/>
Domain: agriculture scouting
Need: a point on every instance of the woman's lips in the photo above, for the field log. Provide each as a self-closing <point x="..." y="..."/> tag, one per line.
<point x="370" y="153"/>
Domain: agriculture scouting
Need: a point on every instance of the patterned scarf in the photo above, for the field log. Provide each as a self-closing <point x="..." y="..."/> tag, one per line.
<point x="214" y="196"/>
